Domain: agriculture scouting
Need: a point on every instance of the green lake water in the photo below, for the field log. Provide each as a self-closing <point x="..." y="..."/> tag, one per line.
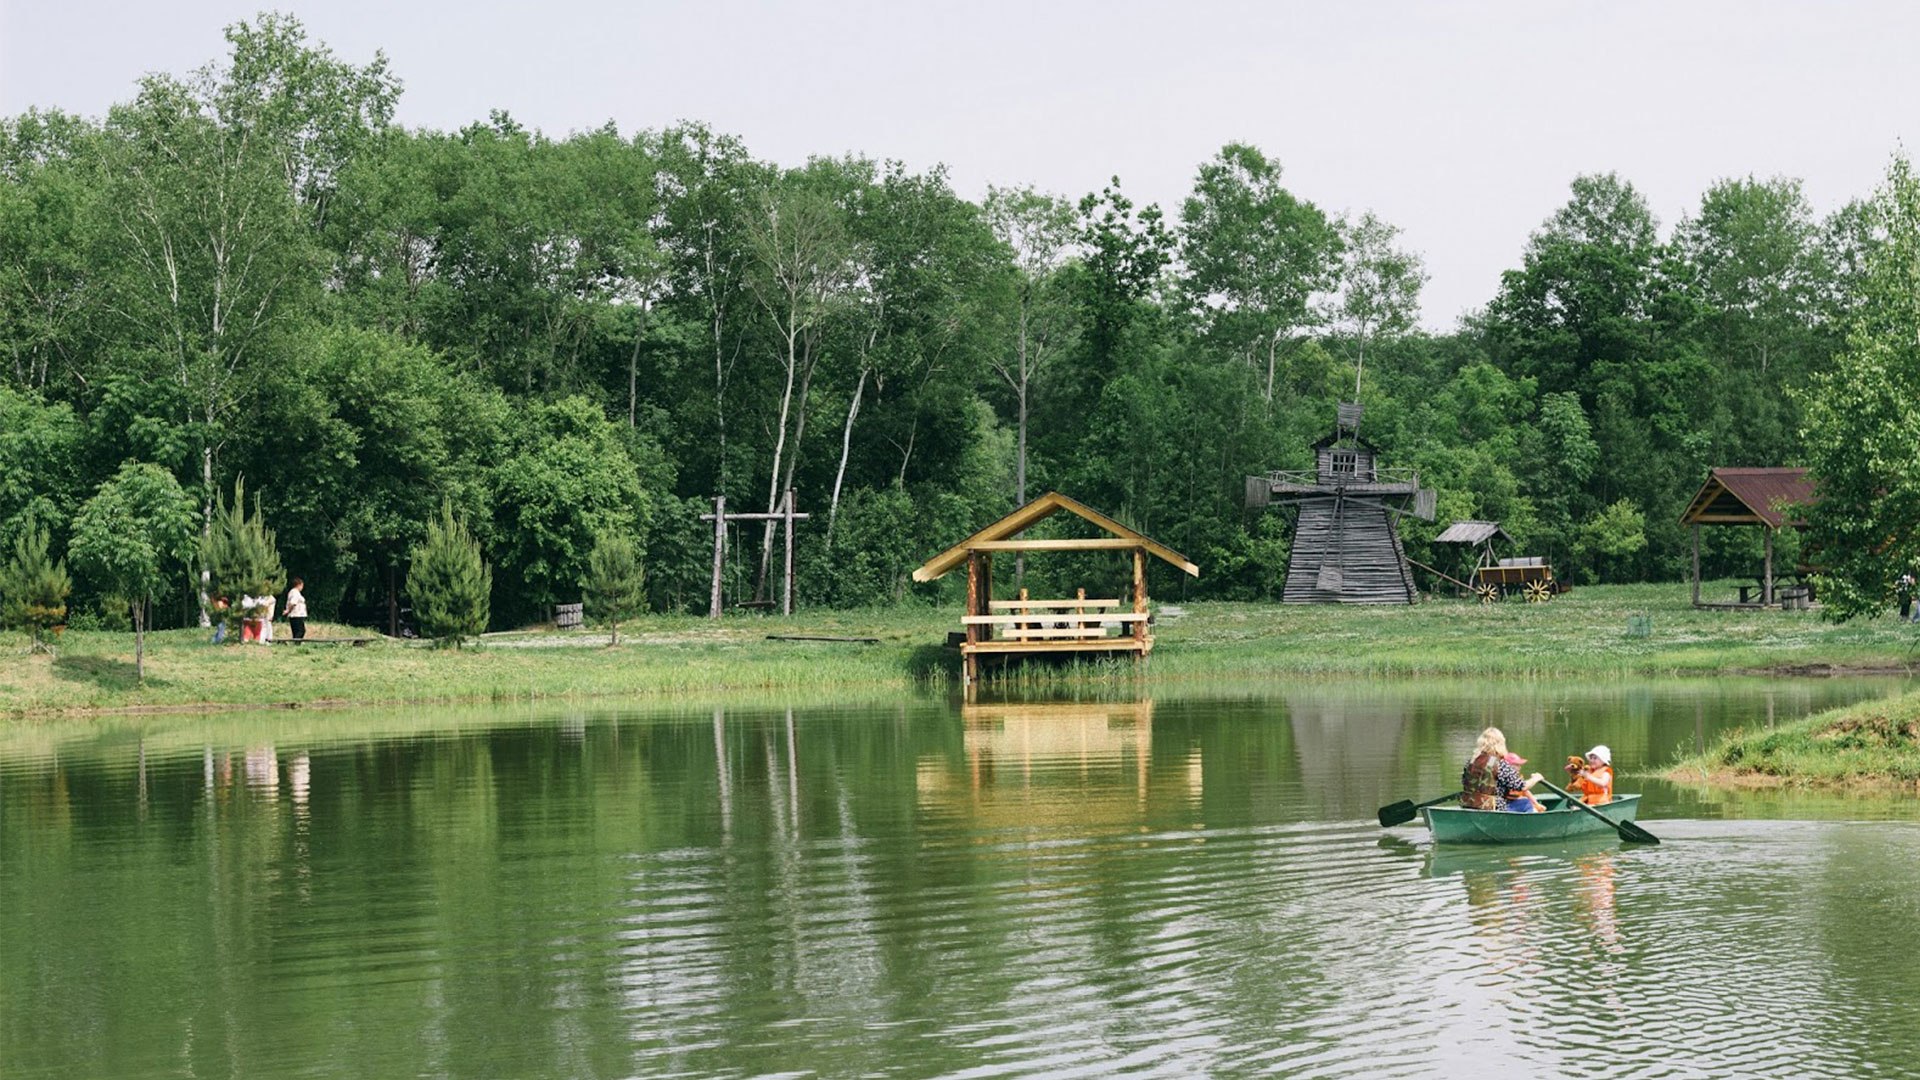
<point x="1192" y="885"/>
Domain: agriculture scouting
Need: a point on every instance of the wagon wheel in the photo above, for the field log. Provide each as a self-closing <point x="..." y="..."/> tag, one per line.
<point x="1539" y="592"/>
<point x="1488" y="593"/>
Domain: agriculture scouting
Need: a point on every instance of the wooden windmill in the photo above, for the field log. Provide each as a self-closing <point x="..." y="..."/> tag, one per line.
<point x="1346" y="541"/>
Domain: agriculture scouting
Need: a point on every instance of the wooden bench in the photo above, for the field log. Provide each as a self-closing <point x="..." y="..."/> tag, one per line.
<point x="1039" y="625"/>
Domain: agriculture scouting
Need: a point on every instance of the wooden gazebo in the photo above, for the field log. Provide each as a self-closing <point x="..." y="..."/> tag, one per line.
<point x="1760" y="497"/>
<point x="1023" y="626"/>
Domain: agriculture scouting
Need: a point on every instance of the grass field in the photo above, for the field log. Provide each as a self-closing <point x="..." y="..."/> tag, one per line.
<point x="1583" y="633"/>
<point x="1873" y="742"/>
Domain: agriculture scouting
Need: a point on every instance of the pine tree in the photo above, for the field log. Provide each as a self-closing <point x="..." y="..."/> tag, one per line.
<point x="615" y="582"/>
<point x="241" y="556"/>
<point x="451" y="588"/>
<point x="33" y="587"/>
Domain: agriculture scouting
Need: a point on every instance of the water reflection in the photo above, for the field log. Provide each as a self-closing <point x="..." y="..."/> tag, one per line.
<point x="1172" y="886"/>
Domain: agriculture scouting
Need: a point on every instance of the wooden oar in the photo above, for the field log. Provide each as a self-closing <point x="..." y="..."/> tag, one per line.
<point x="1406" y="810"/>
<point x="1631" y="833"/>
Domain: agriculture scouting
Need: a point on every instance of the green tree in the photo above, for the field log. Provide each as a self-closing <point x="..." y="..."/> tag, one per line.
<point x="240" y="555"/>
<point x="216" y="184"/>
<point x="1862" y="427"/>
<point x="33" y="587"/>
<point x="571" y="474"/>
<point x="1256" y="255"/>
<point x="1379" y="288"/>
<point x="1039" y="232"/>
<point x="615" y="584"/>
<point x="132" y="537"/>
<point x="450" y="586"/>
<point x="1604" y="540"/>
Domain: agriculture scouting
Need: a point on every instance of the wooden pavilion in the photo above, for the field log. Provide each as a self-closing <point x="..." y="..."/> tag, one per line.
<point x="1021" y="626"/>
<point x="1758" y="497"/>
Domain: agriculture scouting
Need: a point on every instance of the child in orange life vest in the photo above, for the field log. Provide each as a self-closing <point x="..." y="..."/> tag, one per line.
<point x="1594" y="782"/>
<point x="1521" y="800"/>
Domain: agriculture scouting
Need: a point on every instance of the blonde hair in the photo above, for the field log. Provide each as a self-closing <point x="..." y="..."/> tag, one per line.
<point x="1492" y="741"/>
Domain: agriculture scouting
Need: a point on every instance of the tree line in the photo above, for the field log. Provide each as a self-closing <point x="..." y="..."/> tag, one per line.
<point x="251" y="272"/>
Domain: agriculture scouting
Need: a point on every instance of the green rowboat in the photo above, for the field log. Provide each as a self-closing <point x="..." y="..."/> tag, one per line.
<point x="1455" y="825"/>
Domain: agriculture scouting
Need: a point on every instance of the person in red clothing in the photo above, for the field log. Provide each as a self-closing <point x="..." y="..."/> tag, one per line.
<point x="1593" y="782"/>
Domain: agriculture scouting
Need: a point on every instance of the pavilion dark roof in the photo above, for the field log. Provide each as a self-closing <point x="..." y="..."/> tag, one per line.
<point x="1750" y="497"/>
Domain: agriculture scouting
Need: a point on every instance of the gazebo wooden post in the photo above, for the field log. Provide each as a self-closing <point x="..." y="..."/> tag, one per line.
<point x="970" y="663"/>
<point x="1696" y="564"/>
<point x="1140" y="594"/>
<point x="1766" y="583"/>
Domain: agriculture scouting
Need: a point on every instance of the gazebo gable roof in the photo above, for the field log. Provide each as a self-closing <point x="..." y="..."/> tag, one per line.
<point x="1032" y="514"/>
<point x="1749" y="497"/>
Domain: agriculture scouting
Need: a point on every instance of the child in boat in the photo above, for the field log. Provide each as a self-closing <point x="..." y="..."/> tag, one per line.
<point x="1593" y="779"/>
<point x="1520" y="800"/>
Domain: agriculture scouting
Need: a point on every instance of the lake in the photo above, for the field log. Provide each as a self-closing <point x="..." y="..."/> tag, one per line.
<point x="923" y="887"/>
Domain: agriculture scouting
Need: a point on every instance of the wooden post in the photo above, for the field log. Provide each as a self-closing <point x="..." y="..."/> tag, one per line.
<point x="1140" y="595"/>
<point x="1696" y="564"/>
<point x="1766" y="583"/>
<point x="986" y="589"/>
<point x="719" y="552"/>
<point x="969" y="662"/>
<point x="786" y="595"/>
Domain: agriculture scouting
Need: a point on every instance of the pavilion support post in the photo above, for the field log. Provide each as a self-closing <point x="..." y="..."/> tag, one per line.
<point x="1140" y="593"/>
<point x="719" y="553"/>
<point x="1140" y="608"/>
<point x="1766" y="581"/>
<point x="1696" y="564"/>
<point x="969" y="660"/>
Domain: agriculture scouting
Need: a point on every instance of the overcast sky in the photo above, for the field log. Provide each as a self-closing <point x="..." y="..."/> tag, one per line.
<point x="1461" y="123"/>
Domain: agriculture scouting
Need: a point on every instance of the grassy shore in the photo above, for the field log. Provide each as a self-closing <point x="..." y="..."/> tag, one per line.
<point x="1875" y="742"/>
<point x="1584" y="633"/>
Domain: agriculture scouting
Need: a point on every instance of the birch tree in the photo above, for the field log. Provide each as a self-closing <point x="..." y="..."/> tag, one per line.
<point x="1039" y="230"/>
<point x="801" y="264"/>
<point x="1379" y="288"/>
<point x="215" y="185"/>
<point x="1256" y="256"/>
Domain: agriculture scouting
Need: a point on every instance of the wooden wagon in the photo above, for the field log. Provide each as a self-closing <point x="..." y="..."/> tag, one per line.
<point x="1494" y="577"/>
<point x="1529" y="577"/>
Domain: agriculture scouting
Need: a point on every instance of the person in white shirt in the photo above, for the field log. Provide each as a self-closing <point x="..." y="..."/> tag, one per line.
<point x="297" y="609"/>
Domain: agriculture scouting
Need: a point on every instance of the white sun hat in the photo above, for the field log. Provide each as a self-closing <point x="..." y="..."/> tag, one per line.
<point x="1605" y="755"/>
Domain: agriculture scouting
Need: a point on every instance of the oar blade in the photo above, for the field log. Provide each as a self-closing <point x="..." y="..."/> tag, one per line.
<point x="1398" y="814"/>
<point x="1634" y="834"/>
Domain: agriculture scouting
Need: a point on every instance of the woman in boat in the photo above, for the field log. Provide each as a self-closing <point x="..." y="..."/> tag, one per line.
<point x="1490" y="779"/>
<point x="1594" y="782"/>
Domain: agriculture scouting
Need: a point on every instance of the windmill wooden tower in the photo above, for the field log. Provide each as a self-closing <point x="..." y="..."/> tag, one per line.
<point x="1346" y="542"/>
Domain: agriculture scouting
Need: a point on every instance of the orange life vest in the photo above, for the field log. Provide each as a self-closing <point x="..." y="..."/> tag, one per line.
<point x="1597" y="791"/>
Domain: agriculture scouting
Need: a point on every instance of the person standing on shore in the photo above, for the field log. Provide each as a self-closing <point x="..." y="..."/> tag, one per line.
<point x="297" y="609"/>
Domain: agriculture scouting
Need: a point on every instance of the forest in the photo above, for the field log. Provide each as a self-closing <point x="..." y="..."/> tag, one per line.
<point x="251" y="272"/>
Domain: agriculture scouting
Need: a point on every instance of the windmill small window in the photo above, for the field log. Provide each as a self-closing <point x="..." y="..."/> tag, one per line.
<point x="1345" y="463"/>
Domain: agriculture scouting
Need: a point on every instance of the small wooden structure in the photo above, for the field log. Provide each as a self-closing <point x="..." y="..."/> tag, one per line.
<point x="1495" y="576"/>
<point x="1027" y="627"/>
<point x="1346" y="541"/>
<point x="783" y="516"/>
<point x="1754" y="497"/>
